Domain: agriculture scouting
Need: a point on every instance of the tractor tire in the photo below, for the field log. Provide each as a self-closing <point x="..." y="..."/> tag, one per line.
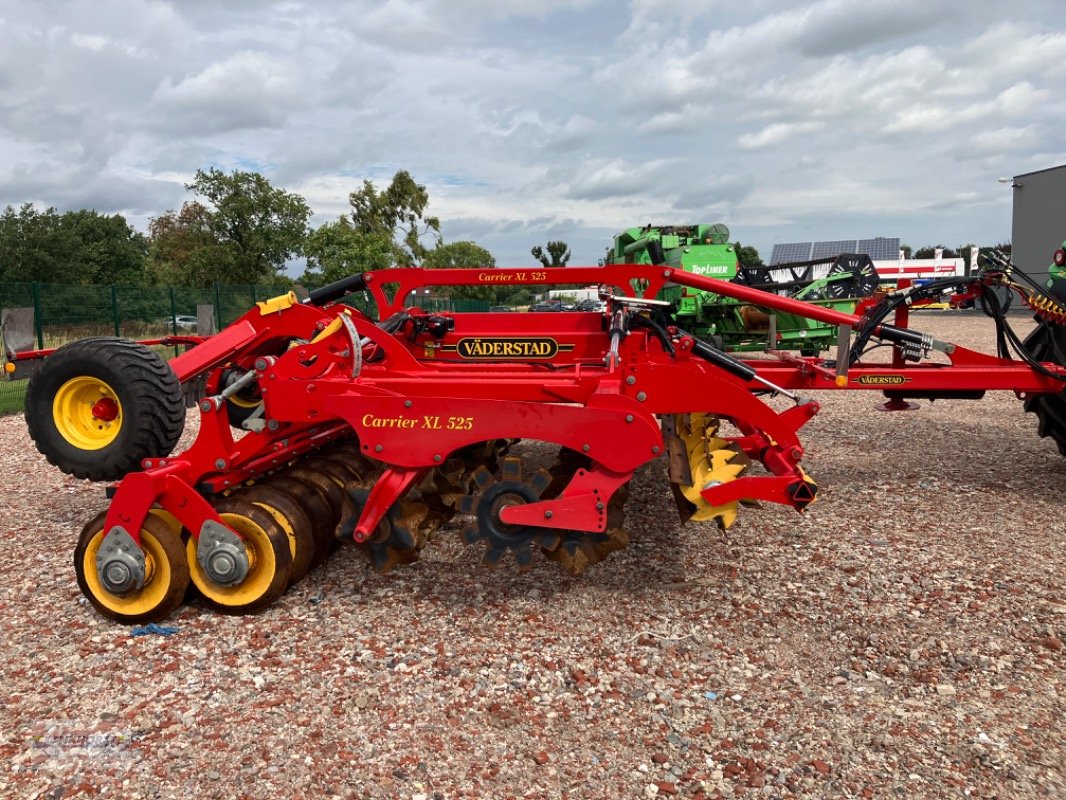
<point x="99" y="406"/>
<point x="1048" y="343"/>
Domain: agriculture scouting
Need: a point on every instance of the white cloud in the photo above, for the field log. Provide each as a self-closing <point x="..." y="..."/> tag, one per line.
<point x="1004" y="139"/>
<point x="775" y="134"/>
<point x="246" y="90"/>
<point x="599" y="180"/>
<point x="543" y="118"/>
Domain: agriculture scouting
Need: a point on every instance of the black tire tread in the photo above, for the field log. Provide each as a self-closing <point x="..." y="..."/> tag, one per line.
<point x="1050" y="409"/>
<point x="148" y="389"/>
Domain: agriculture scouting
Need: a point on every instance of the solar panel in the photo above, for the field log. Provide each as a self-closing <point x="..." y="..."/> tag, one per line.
<point x="792" y="251"/>
<point x="881" y="248"/>
<point x="833" y="248"/>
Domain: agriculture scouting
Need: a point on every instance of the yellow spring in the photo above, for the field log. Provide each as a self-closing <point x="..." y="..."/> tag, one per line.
<point x="1047" y="308"/>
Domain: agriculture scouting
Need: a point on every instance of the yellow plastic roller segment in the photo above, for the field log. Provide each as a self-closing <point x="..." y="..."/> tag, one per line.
<point x="269" y="560"/>
<point x="166" y="572"/>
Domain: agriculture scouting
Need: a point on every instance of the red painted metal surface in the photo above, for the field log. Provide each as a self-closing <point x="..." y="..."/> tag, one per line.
<point x="166" y="341"/>
<point x="419" y="394"/>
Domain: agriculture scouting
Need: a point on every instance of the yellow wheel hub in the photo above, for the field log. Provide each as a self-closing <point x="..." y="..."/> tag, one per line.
<point x="262" y="565"/>
<point x="87" y="413"/>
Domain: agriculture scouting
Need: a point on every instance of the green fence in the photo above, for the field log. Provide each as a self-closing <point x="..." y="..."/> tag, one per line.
<point x="65" y="313"/>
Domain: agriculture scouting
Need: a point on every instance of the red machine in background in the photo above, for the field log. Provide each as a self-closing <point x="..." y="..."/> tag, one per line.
<point x="320" y="421"/>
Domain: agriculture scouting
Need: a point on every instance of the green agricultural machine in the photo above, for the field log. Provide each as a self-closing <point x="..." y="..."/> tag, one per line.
<point x="1057" y="273"/>
<point x="838" y="282"/>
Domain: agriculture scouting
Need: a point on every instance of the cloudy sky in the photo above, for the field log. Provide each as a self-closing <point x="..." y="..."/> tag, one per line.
<point x="530" y="120"/>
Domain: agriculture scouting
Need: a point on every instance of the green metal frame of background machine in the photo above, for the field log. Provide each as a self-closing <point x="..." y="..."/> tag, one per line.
<point x="1057" y="273"/>
<point x="704" y="249"/>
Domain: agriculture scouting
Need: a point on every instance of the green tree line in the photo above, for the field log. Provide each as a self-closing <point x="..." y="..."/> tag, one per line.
<point x="238" y="229"/>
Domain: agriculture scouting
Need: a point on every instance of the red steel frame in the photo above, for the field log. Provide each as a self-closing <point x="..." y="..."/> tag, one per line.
<point x="413" y="401"/>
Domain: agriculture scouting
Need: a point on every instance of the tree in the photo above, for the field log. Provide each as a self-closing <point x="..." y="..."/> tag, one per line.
<point x="259" y="227"/>
<point x="907" y="250"/>
<point x="106" y="249"/>
<point x="28" y="244"/>
<point x="465" y="254"/>
<point x="748" y="256"/>
<point x="557" y="256"/>
<point x="337" y="250"/>
<point x="930" y="252"/>
<point x="397" y="212"/>
<point x="458" y="254"/>
<point x="80" y="247"/>
<point x="185" y="249"/>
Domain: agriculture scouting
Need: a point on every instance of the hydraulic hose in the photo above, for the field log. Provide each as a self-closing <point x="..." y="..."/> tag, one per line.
<point x="337" y="289"/>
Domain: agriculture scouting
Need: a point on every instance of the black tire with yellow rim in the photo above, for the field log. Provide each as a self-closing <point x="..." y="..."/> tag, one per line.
<point x="269" y="558"/>
<point x="166" y="573"/>
<point x="100" y="406"/>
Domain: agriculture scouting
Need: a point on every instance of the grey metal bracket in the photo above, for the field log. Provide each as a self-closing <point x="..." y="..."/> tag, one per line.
<point x="120" y="564"/>
<point x="221" y="554"/>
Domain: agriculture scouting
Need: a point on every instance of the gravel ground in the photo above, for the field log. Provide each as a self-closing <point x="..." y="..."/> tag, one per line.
<point x="903" y="638"/>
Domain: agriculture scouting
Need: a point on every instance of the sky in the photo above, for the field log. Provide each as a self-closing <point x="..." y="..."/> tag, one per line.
<point x="532" y="120"/>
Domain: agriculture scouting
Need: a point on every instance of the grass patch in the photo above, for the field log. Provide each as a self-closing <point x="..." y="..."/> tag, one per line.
<point x="12" y="397"/>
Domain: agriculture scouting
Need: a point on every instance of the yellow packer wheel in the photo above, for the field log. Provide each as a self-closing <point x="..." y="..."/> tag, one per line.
<point x="314" y="504"/>
<point x="293" y="520"/>
<point x="267" y="548"/>
<point x="166" y="573"/>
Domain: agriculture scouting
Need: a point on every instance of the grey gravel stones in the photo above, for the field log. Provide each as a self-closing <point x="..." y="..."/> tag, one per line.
<point x="902" y="638"/>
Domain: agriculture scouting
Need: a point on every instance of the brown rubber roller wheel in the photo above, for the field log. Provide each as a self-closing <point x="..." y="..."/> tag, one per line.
<point x="314" y="503"/>
<point x="166" y="568"/>
<point x="335" y="467"/>
<point x="363" y="469"/>
<point x="294" y="520"/>
<point x="268" y="553"/>
<point x="329" y="488"/>
<point x="350" y="453"/>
